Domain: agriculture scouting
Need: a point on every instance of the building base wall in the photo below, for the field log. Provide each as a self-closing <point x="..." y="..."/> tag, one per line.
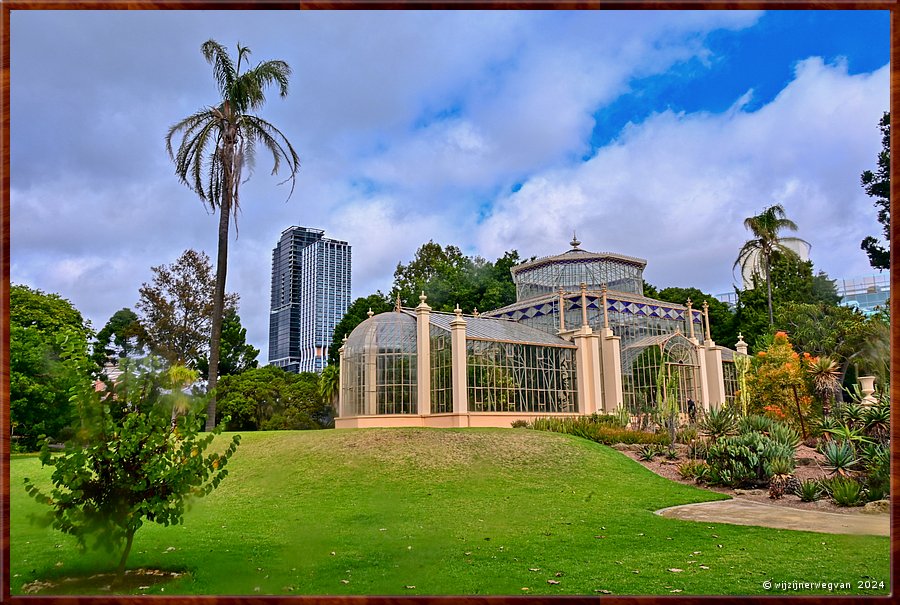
<point x="472" y="419"/>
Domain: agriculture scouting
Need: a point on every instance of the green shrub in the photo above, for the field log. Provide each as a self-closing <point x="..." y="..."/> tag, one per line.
<point x="583" y="426"/>
<point x="687" y="434"/>
<point x="877" y="421"/>
<point x="519" y="424"/>
<point x="851" y="414"/>
<point x="782" y="433"/>
<point x="840" y="457"/>
<point x="692" y="469"/>
<point x="671" y="454"/>
<point x="845" y="491"/>
<point x="744" y="459"/>
<point x="876" y="460"/>
<point x="809" y="490"/>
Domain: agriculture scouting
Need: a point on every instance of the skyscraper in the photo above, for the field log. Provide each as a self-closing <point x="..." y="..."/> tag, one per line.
<point x="310" y="294"/>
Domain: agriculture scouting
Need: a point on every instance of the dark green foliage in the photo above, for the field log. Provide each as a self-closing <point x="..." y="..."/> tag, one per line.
<point x="876" y="460"/>
<point x="809" y="490"/>
<point x="583" y="426"/>
<point x="122" y="336"/>
<point x="877" y="421"/>
<point x="840" y="457"/>
<point x="519" y="424"/>
<point x="269" y="398"/>
<point x="448" y="278"/>
<point x="235" y="354"/>
<point x="844" y="491"/>
<point x="356" y="313"/>
<point x="878" y="185"/>
<point x="40" y="378"/>
<point x="137" y="455"/>
<point x="718" y="422"/>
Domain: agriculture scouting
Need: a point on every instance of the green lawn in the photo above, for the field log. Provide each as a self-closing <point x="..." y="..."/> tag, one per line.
<point x="429" y="511"/>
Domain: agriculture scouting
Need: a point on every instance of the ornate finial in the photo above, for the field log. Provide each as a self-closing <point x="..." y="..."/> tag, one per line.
<point x="345" y="337"/>
<point x="475" y="311"/>
<point x="740" y="337"/>
<point x="422" y="297"/>
<point x="575" y="243"/>
<point x="397" y="308"/>
<point x="689" y="303"/>
<point x="705" y="305"/>
<point x="458" y="311"/>
<point x="370" y="313"/>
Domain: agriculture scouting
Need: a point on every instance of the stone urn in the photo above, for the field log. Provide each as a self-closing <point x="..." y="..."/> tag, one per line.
<point x="867" y="386"/>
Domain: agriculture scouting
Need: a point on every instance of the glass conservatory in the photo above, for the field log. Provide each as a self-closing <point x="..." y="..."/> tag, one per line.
<point x="581" y="338"/>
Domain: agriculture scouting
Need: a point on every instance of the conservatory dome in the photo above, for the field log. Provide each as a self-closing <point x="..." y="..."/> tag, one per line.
<point x="380" y="365"/>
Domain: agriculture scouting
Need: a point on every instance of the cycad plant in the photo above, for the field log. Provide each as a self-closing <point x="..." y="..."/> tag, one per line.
<point x="780" y="469"/>
<point x="217" y="144"/>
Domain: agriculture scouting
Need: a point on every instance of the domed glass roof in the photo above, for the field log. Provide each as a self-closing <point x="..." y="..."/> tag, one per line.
<point x="386" y="332"/>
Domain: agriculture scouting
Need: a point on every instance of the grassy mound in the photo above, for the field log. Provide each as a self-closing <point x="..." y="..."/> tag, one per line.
<point x="429" y="511"/>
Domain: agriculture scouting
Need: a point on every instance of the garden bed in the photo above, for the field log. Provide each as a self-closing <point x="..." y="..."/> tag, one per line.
<point x="811" y="467"/>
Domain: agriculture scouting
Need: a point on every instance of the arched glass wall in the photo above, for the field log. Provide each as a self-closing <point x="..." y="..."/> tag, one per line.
<point x="379" y="366"/>
<point x="660" y="371"/>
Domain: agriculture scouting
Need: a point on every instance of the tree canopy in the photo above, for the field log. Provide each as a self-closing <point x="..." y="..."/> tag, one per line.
<point x="40" y="379"/>
<point x="877" y="185"/>
<point x="177" y="308"/>
<point x="236" y="354"/>
<point x="269" y="398"/>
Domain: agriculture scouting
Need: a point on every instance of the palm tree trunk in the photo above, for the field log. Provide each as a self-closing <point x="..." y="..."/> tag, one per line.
<point x="769" y="290"/>
<point x="221" y="270"/>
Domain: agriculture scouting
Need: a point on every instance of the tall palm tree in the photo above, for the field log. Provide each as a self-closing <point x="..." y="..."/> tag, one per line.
<point x="216" y="144"/>
<point x="757" y="253"/>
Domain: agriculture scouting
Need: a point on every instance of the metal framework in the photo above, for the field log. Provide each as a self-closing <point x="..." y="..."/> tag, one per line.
<point x="661" y="371"/>
<point x="510" y="377"/>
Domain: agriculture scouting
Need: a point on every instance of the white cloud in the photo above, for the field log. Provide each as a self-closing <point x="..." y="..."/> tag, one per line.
<point x="676" y="188"/>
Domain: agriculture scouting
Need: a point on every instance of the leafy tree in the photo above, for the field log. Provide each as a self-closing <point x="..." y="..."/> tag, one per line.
<point x="449" y="278"/>
<point x="122" y="336"/>
<point x="721" y="317"/>
<point x="330" y="385"/>
<point x="757" y="253"/>
<point x="841" y="333"/>
<point x="356" y="313"/>
<point x="269" y="398"/>
<point x="177" y="308"/>
<point x="236" y="354"/>
<point x="130" y="462"/>
<point x="216" y="144"/>
<point x="792" y="282"/>
<point x="878" y="185"/>
<point x="39" y="378"/>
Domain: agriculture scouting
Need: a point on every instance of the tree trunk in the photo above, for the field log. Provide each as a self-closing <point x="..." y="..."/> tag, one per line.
<point x="221" y="270"/>
<point x="120" y="572"/>
<point x="769" y="290"/>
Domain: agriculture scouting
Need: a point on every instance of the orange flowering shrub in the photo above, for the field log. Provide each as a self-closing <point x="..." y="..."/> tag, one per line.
<point x="778" y="384"/>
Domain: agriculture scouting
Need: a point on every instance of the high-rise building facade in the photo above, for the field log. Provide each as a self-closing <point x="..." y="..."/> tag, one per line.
<point x="310" y="295"/>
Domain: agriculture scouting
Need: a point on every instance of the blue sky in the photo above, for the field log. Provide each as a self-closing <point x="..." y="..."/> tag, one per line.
<point x="654" y="134"/>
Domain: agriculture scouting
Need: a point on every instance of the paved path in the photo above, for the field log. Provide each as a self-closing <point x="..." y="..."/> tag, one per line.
<point x="746" y="512"/>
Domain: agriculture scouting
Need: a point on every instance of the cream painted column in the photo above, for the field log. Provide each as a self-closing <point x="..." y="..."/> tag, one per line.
<point x="587" y="370"/>
<point x="340" y="401"/>
<point x="714" y="374"/>
<point x="423" y="356"/>
<point x="612" y="394"/>
<point x="458" y="363"/>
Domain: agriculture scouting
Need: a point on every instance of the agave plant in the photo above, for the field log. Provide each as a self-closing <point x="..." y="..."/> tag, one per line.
<point x="782" y="433"/>
<point x="848" y="434"/>
<point x="809" y="490"/>
<point x="852" y="414"/>
<point x="840" y="457"/>
<point x="846" y="491"/>
<point x="718" y="423"/>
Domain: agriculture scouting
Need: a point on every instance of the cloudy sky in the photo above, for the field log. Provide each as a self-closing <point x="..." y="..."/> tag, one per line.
<point x="654" y="134"/>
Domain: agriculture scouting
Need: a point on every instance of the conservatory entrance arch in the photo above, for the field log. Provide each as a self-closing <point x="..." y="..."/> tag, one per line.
<point x="661" y="371"/>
